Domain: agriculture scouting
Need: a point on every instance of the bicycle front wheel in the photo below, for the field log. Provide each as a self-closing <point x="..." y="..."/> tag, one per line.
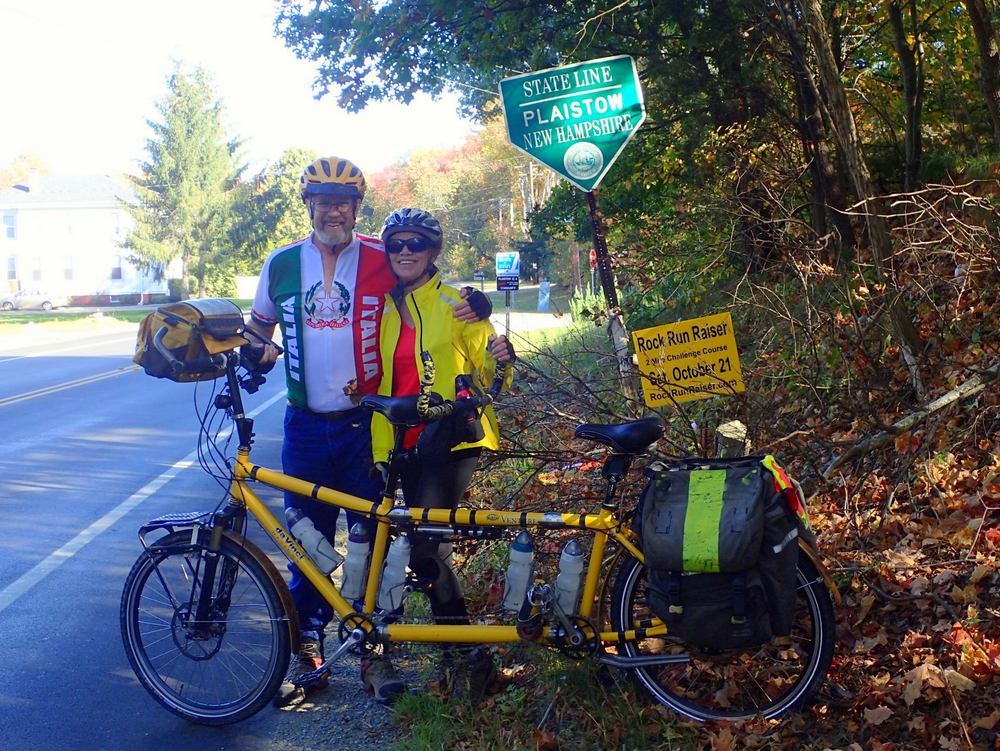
<point x="766" y="681"/>
<point x="210" y="655"/>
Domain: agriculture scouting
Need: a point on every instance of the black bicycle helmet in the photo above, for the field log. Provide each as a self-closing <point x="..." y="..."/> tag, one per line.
<point x="412" y="220"/>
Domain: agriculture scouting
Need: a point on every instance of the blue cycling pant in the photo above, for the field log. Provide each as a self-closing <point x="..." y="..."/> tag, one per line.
<point x="336" y="453"/>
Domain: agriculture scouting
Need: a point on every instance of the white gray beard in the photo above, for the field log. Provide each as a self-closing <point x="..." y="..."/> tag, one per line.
<point x="339" y="236"/>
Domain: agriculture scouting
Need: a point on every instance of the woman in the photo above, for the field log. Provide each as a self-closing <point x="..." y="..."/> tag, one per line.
<point x="418" y="317"/>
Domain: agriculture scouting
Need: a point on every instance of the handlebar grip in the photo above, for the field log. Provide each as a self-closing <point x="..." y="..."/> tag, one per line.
<point x="175" y="365"/>
<point x="499" y="375"/>
<point x="424" y="409"/>
<point x="179" y="366"/>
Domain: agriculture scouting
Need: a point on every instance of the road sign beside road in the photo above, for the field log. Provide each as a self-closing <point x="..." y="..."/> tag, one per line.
<point x="575" y="119"/>
<point x="508" y="271"/>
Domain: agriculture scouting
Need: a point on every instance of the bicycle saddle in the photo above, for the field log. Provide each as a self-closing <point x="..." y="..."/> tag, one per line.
<point x="631" y="437"/>
<point x="399" y="410"/>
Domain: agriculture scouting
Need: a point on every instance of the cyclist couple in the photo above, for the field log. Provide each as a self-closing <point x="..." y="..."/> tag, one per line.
<point x="354" y="315"/>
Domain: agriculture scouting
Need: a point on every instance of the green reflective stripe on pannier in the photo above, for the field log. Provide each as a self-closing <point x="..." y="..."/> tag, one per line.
<point x="701" y="522"/>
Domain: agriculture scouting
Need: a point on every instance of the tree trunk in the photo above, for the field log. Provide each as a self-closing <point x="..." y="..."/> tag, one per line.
<point x="829" y="200"/>
<point x="911" y="65"/>
<point x="846" y="133"/>
<point x="989" y="61"/>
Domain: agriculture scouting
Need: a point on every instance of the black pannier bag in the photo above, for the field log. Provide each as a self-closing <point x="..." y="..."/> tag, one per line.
<point x="195" y="330"/>
<point x="720" y="545"/>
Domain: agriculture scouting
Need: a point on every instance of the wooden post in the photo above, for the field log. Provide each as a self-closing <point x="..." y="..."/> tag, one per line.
<point x="733" y="439"/>
<point x="616" y="324"/>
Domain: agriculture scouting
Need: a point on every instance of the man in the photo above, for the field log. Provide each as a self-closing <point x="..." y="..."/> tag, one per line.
<point x="325" y="293"/>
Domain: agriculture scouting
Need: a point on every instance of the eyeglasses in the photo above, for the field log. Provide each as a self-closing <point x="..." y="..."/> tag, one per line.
<point x="416" y="244"/>
<point x="324" y="206"/>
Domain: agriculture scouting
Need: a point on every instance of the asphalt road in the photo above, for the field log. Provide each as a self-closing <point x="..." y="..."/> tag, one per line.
<point x="92" y="448"/>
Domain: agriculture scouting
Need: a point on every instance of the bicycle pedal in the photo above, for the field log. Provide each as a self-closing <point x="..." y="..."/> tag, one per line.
<point x="308" y="680"/>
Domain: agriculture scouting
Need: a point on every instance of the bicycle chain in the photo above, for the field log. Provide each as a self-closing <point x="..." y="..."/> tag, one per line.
<point x="558" y="640"/>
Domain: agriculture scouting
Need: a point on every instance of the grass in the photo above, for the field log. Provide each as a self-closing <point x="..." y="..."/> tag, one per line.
<point x="19" y="321"/>
<point x="524" y="300"/>
<point x="56" y="321"/>
<point x="546" y="701"/>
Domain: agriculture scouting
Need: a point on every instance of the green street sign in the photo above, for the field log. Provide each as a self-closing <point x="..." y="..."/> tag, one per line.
<point x="575" y="119"/>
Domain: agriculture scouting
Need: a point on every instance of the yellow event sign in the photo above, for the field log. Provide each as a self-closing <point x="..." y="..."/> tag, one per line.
<point x="688" y="360"/>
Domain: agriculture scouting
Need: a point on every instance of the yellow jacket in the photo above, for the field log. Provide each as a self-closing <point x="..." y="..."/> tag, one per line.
<point x="456" y="347"/>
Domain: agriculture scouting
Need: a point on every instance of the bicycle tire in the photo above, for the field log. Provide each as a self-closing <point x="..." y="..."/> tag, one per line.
<point x="229" y="668"/>
<point x="768" y="681"/>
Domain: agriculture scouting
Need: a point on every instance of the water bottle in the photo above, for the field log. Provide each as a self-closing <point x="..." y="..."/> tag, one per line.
<point x="390" y="594"/>
<point x="570" y="576"/>
<point x="356" y="565"/>
<point x="322" y="552"/>
<point x="519" y="571"/>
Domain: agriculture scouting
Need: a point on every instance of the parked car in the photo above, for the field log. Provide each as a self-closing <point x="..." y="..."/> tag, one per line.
<point x="33" y="299"/>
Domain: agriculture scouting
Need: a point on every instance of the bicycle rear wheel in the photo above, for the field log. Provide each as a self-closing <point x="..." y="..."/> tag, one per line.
<point x="767" y="681"/>
<point x="220" y="669"/>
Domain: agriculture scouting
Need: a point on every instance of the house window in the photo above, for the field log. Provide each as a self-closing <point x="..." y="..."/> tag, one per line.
<point x="68" y="268"/>
<point x="10" y="226"/>
<point x="116" y="269"/>
<point x="11" y="268"/>
<point x="36" y="269"/>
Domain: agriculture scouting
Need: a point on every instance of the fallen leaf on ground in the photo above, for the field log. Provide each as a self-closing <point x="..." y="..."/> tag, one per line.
<point x="878" y="715"/>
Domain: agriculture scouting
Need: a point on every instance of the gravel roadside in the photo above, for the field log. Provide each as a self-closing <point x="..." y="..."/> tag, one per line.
<point x="341" y="717"/>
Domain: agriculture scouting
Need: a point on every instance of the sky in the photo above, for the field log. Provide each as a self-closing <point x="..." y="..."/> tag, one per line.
<point x="81" y="78"/>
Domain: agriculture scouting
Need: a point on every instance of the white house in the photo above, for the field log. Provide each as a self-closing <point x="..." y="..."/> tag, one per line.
<point x="64" y="234"/>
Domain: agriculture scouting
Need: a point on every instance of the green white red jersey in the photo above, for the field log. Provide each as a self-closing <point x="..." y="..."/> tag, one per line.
<point x="330" y="335"/>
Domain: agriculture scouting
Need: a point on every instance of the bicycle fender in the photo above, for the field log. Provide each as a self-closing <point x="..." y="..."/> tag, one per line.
<point x="276" y="579"/>
<point x="824" y="574"/>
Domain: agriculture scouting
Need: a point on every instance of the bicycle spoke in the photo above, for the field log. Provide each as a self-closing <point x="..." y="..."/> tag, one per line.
<point x="218" y="669"/>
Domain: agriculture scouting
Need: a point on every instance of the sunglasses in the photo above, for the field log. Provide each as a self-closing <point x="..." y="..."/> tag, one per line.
<point x="414" y="245"/>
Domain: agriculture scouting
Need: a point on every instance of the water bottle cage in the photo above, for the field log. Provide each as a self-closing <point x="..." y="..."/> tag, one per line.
<point x="529" y="623"/>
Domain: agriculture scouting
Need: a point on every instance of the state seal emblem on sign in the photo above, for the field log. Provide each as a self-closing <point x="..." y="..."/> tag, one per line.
<point x="583" y="160"/>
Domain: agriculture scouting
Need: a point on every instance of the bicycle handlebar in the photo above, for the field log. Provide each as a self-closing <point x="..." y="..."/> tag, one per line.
<point x="180" y="366"/>
<point x="427" y="412"/>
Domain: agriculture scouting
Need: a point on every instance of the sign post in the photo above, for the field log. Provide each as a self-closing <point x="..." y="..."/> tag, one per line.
<point x="576" y="120"/>
<point x="508" y="279"/>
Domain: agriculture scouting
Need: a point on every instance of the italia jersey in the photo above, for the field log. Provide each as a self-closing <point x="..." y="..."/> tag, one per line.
<point x="330" y="335"/>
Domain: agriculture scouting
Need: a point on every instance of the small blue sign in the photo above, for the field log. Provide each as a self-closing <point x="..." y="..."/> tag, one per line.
<point x="509" y="263"/>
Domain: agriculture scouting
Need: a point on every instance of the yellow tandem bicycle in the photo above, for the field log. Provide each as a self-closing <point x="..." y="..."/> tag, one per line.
<point x="209" y="626"/>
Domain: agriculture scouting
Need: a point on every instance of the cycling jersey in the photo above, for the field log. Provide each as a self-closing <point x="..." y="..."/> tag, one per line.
<point x="457" y="347"/>
<point x="330" y="335"/>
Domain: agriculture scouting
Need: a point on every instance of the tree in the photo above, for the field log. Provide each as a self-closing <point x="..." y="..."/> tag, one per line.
<point x="20" y="169"/>
<point x="268" y="211"/>
<point x="186" y="188"/>
<point x="908" y="43"/>
<point x="846" y="131"/>
<point x="989" y="61"/>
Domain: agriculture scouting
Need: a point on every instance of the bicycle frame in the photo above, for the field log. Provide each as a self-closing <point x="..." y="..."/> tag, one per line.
<point x="603" y="525"/>
<point x="781" y="673"/>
